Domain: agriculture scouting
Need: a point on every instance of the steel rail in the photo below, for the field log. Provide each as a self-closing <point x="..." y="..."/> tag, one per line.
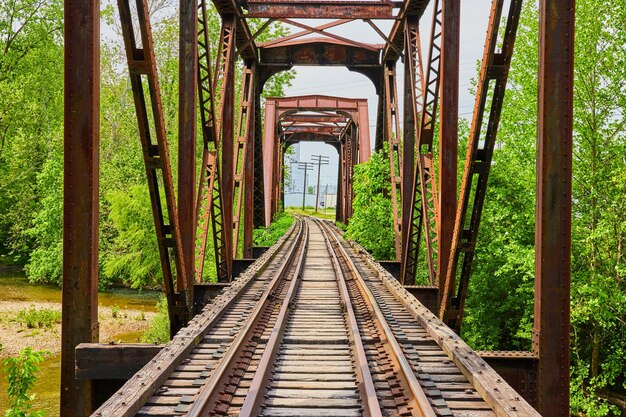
<point x="421" y="400"/>
<point x="262" y="375"/>
<point x="143" y="384"/>
<point x="368" y="389"/>
<point x="203" y="401"/>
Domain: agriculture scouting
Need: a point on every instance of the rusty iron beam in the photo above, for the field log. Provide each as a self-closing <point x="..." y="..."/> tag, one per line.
<point x="259" y="204"/>
<point x="321" y="118"/>
<point x="317" y="103"/>
<point x="413" y="96"/>
<point x="425" y="209"/>
<point x="209" y="198"/>
<point x="226" y="130"/>
<point x="231" y="10"/>
<point x="80" y="197"/>
<point x="155" y="150"/>
<point x="258" y="33"/>
<point x="314" y="129"/>
<point x="304" y="32"/>
<point x="310" y="137"/>
<point x="320" y="9"/>
<point x="388" y="41"/>
<point x="392" y="135"/>
<point x="554" y="205"/>
<point x="494" y="72"/>
<point x="244" y="148"/>
<point x="363" y="125"/>
<point x="270" y="142"/>
<point x="449" y="130"/>
<point x="187" y="120"/>
<point x="373" y="48"/>
<point x="410" y="8"/>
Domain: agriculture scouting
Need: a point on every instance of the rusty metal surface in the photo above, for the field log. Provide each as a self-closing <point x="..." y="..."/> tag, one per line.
<point x="187" y="125"/>
<point x="392" y="136"/>
<point x="413" y="97"/>
<point x="225" y="80"/>
<point x="554" y="205"/>
<point x="259" y="203"/>
<point x="141" y="62"/>
<point x="244" y="143"/>
<point x="424" y="207"/>
<point x="231" y="10"/>
<point x="410" y="8"/>
<point x="494" y="72"/>
<point x="337" y="9"/>
<point x="448" y="130"/>
<point x="209" y="197"/>
<point x="80" y="197"/>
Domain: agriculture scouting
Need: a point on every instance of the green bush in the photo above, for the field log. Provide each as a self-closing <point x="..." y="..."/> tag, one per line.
<point x="371" y="224"/>
<point x="159" y="331"/>
<point x="115" y="311"/>
<point x="38" y="318"/>
<point x="21" y="375"/>
<point x="267" y="236"/>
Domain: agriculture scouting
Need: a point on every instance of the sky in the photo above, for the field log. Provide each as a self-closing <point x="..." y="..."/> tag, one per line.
<point x="338" y="81"/>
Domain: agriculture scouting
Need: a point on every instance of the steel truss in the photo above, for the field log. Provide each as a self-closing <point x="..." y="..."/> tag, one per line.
<point x="423" y="210"/>
<point x="209" y="206"/>
<point x="491" y="86"/>
<point x="142" y="66"/>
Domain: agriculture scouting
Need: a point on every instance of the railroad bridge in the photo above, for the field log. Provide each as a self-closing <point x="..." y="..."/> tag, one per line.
<point x="313" y="325"/>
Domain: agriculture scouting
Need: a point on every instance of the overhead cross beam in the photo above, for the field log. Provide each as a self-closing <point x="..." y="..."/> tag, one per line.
<point x="326" y="9"/>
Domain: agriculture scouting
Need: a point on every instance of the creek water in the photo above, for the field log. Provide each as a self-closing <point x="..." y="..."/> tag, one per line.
<point x="15" y="287"/>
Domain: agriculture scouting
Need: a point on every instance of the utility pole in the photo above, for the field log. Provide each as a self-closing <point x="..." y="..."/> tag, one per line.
<point x="321" y="160"/>
<point x="304" y="166"/>
<point x="325" y="194"/>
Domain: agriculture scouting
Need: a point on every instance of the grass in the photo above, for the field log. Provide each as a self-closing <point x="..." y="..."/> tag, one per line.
<point x="159" y="331"/>
<point x="38" y="318"/>
<point x="267" y="236"/>
<point x="327" y="214"/>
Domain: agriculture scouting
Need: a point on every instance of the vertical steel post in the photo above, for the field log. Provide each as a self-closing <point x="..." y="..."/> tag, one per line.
<point x="259" y="180"/>
<point x="449" y="131"/>
<point x="187" y="73"/>
<point x="339" y="203"/>
<point x="408" y="134"/>
<point x="249" y="171"/>
<point x="269" y="143"/>
<point x="227" y="128"/>
<point x="80" y="197"/>
<point x="554" y="203"/>
<point x="363" y="123"/>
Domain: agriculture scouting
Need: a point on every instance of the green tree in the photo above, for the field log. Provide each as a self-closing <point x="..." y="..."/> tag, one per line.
<point x="21" y="376"/>
<point x="500" y="303"/>
<point x="372" y="222"/>
<point x="31" y="84"/>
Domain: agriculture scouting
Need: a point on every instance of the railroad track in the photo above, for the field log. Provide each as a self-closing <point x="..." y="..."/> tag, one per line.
<point x="315" y="331"/>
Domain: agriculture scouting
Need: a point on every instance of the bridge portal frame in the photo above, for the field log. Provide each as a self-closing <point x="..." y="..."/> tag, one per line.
<point x="315" y="116"/>
<point x="553" y="233"/>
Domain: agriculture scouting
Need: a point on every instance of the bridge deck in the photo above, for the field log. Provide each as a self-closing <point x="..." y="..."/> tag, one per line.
<point x="316" y="327"/>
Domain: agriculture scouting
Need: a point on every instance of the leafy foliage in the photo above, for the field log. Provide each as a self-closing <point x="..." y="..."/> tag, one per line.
<point x="21" y="376"/>
<point x="372" y="222"/>
<point x="31" y="146"/>
<point x="267" y="236"/>
<point x="34" y="318"/>
<point x="159" y="331"/>
<point x="500" y="303"/>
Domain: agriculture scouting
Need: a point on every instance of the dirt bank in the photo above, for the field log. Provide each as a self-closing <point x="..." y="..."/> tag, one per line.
<point x="126" y="326"/>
